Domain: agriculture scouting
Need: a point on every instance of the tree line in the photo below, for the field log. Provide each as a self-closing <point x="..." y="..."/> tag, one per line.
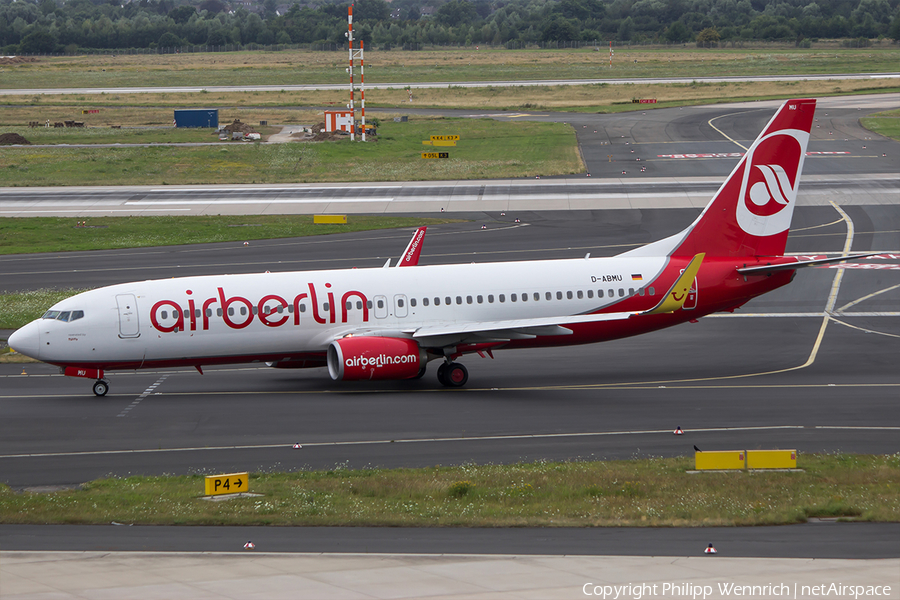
<point x="54" y="26"/>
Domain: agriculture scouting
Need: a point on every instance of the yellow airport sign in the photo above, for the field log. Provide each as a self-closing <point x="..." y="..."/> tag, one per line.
<point x="731" y="459"/>
<point x="231" y="483"/>
<point x="444" y="138"/>
<point x="322" y="219"/>
<point x="771" y="459"/>
<point x="435" y="155"/>
<point x="438" y="143"/>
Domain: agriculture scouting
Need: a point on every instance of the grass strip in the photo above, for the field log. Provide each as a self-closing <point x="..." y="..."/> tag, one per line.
<point x="885" y="123"/>
<point x="648" y="492"/>
<point x="18" y="309"/>
<point x="19" y="235"/>
<point x="487" y="149"/>
<point x="294" y="67"/>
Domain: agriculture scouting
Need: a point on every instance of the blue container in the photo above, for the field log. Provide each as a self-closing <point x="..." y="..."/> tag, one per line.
<point x="197" y="117"/>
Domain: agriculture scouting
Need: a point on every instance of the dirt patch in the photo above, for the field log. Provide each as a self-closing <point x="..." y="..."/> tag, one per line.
<point x="319" y="135"/>
<point x="238" y="126"/>
<point x="16" y="60"/>
<point x="10" y="139"/>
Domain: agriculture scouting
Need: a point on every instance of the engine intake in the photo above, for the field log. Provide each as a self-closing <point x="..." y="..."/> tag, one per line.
<point x="355" y="358"/>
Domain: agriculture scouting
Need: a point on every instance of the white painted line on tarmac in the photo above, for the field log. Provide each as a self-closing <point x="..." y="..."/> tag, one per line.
<point x="260" y="201"/>
<point x="289" y="445"/>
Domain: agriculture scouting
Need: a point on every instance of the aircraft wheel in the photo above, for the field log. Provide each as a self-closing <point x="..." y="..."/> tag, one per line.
<point x="455" y="375"/>
<point x="101" y="387"/>
<point x="442" y="374"/>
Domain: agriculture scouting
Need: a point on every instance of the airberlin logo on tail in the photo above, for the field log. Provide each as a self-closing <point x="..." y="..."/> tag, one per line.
<point x="769" y="185"/>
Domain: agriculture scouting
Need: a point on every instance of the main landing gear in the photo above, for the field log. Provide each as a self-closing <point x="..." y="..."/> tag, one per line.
<point x="453" y="374"/>
<point x="101" y="386"/>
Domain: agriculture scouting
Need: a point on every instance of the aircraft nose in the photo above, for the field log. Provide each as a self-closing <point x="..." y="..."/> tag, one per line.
<point x="27" y="340"/>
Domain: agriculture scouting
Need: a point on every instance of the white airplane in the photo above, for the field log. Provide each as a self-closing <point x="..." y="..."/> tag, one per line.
<point x="389" y="323"/>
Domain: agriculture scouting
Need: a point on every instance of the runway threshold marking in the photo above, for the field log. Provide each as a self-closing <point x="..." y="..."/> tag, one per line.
<point x="484" y="438"/>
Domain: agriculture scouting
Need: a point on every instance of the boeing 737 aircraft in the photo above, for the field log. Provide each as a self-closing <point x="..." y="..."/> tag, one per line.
<point x="389" y="323"/>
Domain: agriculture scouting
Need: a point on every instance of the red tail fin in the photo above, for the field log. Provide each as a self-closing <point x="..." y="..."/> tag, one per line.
<point x="751" y="213"/>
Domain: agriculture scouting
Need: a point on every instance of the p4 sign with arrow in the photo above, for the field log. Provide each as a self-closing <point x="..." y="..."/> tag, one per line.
<point x="232" y="483"/>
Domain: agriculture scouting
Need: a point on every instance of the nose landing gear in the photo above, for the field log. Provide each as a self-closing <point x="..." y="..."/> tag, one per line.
<point x="452" y="374"/>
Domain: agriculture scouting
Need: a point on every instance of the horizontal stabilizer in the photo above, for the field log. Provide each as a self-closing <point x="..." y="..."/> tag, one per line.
<point x="800" y="264"/>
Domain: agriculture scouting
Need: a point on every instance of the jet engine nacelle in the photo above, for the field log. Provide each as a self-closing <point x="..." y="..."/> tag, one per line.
<point x="354" y="358"/>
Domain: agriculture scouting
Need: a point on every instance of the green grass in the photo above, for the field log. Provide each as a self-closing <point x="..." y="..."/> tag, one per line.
<point x="886" y="123"/>
<point x="452" y="64"/>
<point x="61" y="234"/>
<point x="18" y="309"/>
<point x="654" y="492"/>
<point x="106" y="135"/>
<point x="488" y="149"/>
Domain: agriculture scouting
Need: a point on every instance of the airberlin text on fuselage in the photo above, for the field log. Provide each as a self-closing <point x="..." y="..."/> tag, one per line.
<point x="196" y="314"/>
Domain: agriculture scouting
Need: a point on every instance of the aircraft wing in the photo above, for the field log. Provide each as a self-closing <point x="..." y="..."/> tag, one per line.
<point x="513" y="329"/>
<point x="410" y="257"/>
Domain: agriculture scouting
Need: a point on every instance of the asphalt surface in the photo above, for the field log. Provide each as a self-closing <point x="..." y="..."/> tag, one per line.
<point x="729" y="382"/>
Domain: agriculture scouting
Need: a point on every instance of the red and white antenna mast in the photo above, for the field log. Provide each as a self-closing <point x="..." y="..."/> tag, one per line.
<point x="354" y="55"/>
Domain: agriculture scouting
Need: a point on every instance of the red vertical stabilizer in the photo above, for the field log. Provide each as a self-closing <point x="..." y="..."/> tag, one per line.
<point x="751" y="213"/>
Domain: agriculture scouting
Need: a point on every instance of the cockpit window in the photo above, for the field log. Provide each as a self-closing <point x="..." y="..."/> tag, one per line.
<point x="64" y="315"/>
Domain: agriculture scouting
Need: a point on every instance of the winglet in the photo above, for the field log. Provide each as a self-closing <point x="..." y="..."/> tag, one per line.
<point x="410" y="257"/>
<point x="677" y="294"/>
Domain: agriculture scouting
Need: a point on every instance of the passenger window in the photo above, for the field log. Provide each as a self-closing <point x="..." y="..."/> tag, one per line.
<point x="549" y="296"/>
<point x="458" y="300"/>
<point x="569" y="295"/>
<point x="380" y="304"/>
<point x="537" y="296"/>
<point x="590" y="293"/>
<point x="255" y="310"/>
<point x="652" y="291"/>
<point x="368" y="304"/>
<point x="448" y="301"/>
<point x="621" y="292"/>
<point x="208" y="312"/>
<point x="230" y="312"/>
<point x="291" y="309"/>
<point x="164" y="314"/>
<point x="641" y="291"/>
<point x="424" y="301"/>
<point x="612" y="293"/>
<point x="76" y="314"/>
<point x="490" y="298"/>
<point x="559" y="295"/>
<point x="480" y="299"/>
<point x="631" y="291"/>
<point x="349" y="305"/>
<point x="501" y="298"/>
<point x="412" y="302"/>
<point x="512" y="297"/>
<point x="437" y="301"/>
<point x="400" y="302"/>
<point x="469" y="300"/>
<point x="187" y="313"/>
<point x="218" y="312"/>
<point x="599" y="293"/>
<point x="325" y="307"/>
<point x="580" y="294"/>
<point x="524" y="297"/>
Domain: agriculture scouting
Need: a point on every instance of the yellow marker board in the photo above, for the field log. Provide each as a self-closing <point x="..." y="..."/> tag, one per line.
<point x="232" y="483"/>
<point x="444" y="138"/>
<point x="435" y="155"/>
<point x="732" y="459"/>
<point x="329" y="219"/>
<point x="771" y="459"/>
